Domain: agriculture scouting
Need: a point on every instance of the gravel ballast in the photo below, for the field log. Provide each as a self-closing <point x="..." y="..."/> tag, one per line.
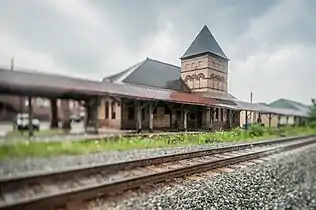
<point x="288" y="181"/>
<point x="16" y="166"/>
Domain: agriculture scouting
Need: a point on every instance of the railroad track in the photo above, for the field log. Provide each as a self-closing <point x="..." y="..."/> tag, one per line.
<point x="67" y="189"/>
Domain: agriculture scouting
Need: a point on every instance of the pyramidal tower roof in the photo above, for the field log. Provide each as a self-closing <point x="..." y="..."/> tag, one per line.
<point x="204" y="43"/>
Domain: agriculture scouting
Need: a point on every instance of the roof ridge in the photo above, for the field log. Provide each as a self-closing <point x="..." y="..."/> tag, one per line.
<point x="35" y="71"/>
<point x="125" y="73"/>
<point x="131" y="70"/>
<point x="162" y="62"/>
<point x="292" y="101"/>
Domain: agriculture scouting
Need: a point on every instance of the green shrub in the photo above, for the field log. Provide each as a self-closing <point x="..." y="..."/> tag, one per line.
<point x="257" y="130"/>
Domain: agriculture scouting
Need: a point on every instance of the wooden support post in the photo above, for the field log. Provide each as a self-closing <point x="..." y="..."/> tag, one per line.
<point x="171" y="119"/>
<point x="91" y="121"/>
<point x="151" y="117"/>
<point x="182" y="114"/>
<point x="230" y="118"/>
<point x="259" y="120"/>
<point x="185" y="118"/>
<point x="94" y="107"/>
<point x="139" y="116"/>
<point x="221" y="115"/>
<point x="211" y="113"/>
<point x="54" y="113"/>
<point x="279" y="119"/>
<point x="170" y="107"/>
<point x="22" y="104"/>
<point x="270" y="119"/>
<point x="30" y="113"/>
<point x="287" y="120"/>
<point x="66" y="123"/>
<point x="86" y="116"/>
<point x="246" y="120"/>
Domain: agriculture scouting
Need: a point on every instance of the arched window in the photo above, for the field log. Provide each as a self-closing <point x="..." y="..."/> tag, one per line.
<point x="188" y="81"/>
<point x="187" y="78"/>
<point x="194" y="80"/>
<point x="223" y="82"/>
<point x="200" y="77"/>
<point x="219" y="82"/>
<point x="213" y="80"/>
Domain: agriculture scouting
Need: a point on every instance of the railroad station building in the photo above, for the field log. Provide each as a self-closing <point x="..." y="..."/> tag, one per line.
<point x="152" y="95"/>
<point x="203" y="72"/>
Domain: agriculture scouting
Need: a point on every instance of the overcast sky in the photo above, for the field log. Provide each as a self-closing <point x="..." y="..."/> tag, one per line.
<point x="271" y="44"/>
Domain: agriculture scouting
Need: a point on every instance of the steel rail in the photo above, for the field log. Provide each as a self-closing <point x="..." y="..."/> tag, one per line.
<point x="69" y="171"/>
<point x="96" y="190"/>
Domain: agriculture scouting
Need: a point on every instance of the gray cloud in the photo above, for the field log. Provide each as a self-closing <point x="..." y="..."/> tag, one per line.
<point x="271" y="43"/>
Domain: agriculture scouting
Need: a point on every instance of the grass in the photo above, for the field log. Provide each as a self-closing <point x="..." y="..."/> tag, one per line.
<point x="46" y="149"/>
<point x="50" y="132"/>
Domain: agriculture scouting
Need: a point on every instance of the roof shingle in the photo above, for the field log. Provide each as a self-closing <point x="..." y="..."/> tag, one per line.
<point x="19" y="82"/>
<point x="204" y="43"/>
<point x="152" y="73"/>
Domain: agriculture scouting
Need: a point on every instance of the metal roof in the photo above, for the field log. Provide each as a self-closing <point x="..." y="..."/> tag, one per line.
<point x="289" y="104"/>
<point x="19" y="82"/>
<point x="47" y="85"/>
<point x="221" y="95"/>
<point x="204" y="43"/>
<point x="228" y="106"/>
<point x="257" y="107"/>
<point x="152" y="73"/>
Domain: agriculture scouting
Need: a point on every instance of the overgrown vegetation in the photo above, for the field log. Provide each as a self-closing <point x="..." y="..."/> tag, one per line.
<point x="312" y="117"/>
<point x="43" y="149"/>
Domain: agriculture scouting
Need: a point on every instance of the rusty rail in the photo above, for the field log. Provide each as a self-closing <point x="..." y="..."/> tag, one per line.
<point x="96" y="190"/>
<point x="143" y="162"/>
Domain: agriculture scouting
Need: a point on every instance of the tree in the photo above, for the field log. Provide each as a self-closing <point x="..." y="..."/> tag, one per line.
<point x="312" y="117"/>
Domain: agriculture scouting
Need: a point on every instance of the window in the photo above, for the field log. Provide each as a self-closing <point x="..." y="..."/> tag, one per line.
<point x="167" y="110"/>
<point x="178" y="114"/>
<point x="113" y="110"/>
<point x="200" y="76"/>
<point x="213" y="83"/>
<point x="106" y="110"/>
<point x="218" y="82"/>
<point x="143" y="113"/>
<point x="216" y="114"/>
<point x="192" y="116"/>
<point x="131" y="113"/>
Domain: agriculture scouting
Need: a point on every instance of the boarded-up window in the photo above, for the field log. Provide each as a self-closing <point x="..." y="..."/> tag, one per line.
<point x="143" y="113"/>
<point x="167" y="110"/>
<point x="106" y="110"/>
<point x="113" y="113"/>
<point x="131" y="113"/>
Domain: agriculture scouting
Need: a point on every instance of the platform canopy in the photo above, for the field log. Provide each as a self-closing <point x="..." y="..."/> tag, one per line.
<point x="257" y="107"/>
